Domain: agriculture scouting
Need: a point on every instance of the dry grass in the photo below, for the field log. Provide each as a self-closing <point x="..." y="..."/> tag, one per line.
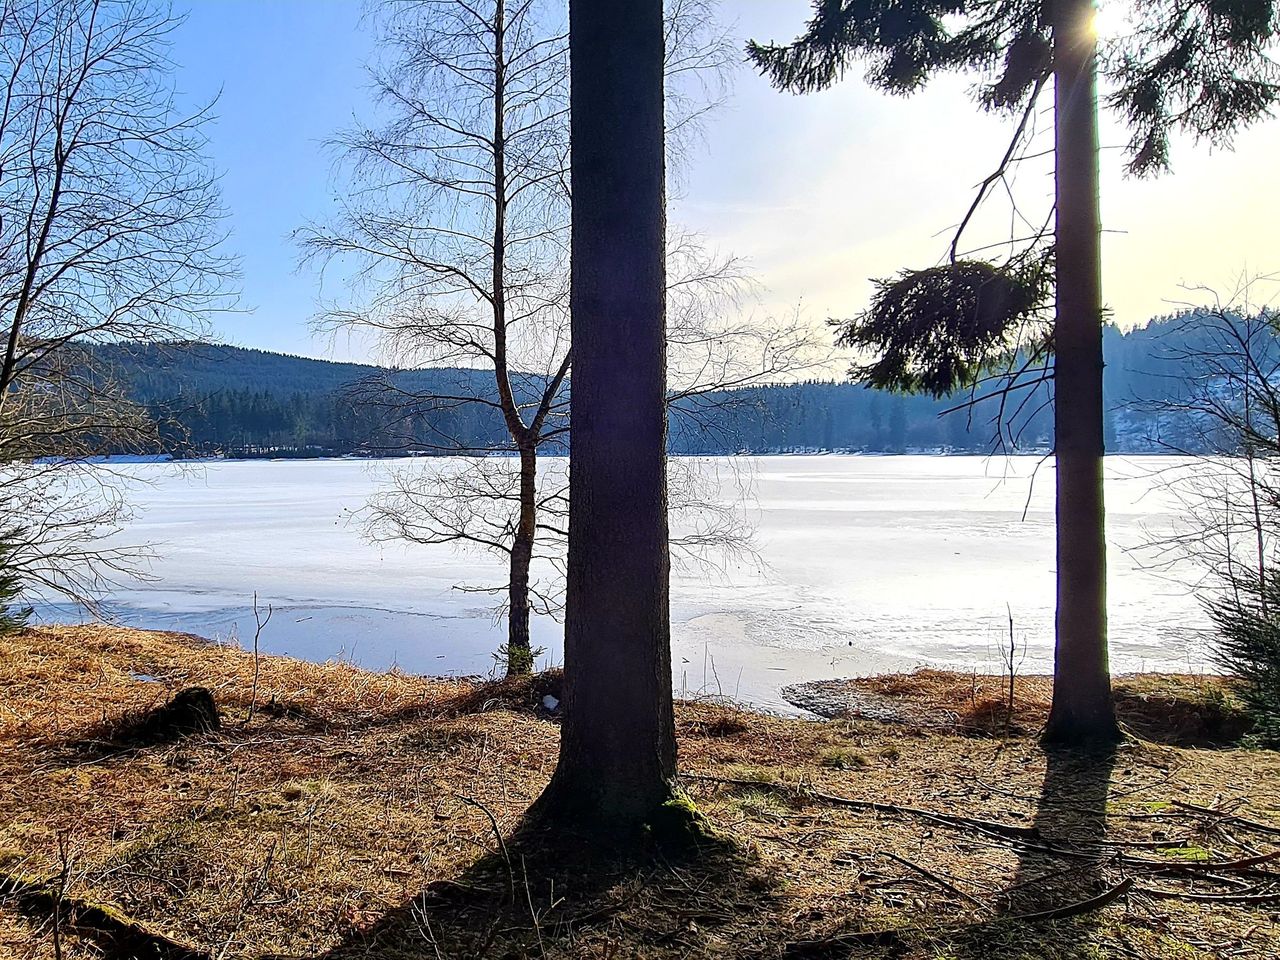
<point x="1182" y="710"/>
<point x="351" y="819"/>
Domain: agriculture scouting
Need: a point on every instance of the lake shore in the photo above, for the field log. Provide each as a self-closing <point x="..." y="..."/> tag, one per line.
<point x="351" y="817"/>
<point x="1179" y="708"/>
<point x="856" y="566"/>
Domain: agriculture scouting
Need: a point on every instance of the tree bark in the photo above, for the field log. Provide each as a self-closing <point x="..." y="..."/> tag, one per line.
<point x="1083" y="711"/>
<point x="618" y="751"/>
<point x="519" y="647"/>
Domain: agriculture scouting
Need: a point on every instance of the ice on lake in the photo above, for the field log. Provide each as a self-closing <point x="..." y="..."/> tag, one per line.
<point x="862" y="564"/>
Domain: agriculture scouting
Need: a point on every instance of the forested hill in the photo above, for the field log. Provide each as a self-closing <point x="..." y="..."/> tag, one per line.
<point x="240" y="402"/>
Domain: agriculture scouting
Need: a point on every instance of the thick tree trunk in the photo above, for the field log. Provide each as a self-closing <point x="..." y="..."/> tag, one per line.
<point x="1082" y="711"/>
<point x="519" y="649"/>
<point x="618" y="751"/>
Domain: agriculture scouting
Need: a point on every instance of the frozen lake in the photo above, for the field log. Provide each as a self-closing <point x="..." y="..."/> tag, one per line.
<point x="866" y="564"/>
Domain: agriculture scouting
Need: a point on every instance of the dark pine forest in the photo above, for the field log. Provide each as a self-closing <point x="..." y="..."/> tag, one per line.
<point x="223" y="400"/>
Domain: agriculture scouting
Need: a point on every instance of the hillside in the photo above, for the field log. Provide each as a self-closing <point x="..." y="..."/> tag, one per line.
<point x="242" y="402"/>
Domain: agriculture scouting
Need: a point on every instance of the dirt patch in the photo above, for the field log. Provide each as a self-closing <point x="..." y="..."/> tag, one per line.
<point x="851" y="700"/>
<point x="1182" y="710"/>
<point x="715" y="721"/>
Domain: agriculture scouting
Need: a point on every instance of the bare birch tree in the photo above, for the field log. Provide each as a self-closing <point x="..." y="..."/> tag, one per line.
<point x="109" y="233"/>
<point x="1221" y="405"/>
<point x="454" y="233"/>
<point x="453" y="215"/>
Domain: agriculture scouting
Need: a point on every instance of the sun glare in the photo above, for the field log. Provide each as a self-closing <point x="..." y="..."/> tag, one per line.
<point x="1110" y="19"/>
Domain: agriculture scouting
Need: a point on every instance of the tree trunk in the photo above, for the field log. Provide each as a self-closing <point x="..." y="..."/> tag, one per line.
<point x="519" y="649"/>
<point x="617" y="751"/>
<point x="519" y="652"/>
<point x="1082" y="711"/>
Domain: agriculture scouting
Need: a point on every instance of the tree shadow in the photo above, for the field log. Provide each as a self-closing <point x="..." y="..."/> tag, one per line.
<point x="546" y="891"/>
<point x="1071" y="815"/>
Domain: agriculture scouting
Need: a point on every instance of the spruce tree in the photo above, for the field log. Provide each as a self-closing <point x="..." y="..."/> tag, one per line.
<point x="13" y="614"/>
<point x="1197" y="66"/>
<point x="617" y="764"/>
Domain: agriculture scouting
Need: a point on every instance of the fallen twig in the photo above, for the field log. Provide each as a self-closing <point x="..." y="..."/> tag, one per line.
<point x="497" y="832"/>
<point x="1196" y="866"/>
<point x="1080" y="907"/>
<point x="990" y="826"/>
<point x="940" y="881"/>
<point x="1233" y="817"/>
<point x="952" y="819"/>
<point x="1238" y="898"/>
<point x="804" y="948"/>
<point x="1180" y="844"/>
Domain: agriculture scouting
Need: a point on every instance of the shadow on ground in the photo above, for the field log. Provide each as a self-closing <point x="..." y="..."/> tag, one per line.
<point x="551" y="895"/>
<point x="1071" y="814"/>
<point x="540" y="896"/>
<point x="1048" y="910"/>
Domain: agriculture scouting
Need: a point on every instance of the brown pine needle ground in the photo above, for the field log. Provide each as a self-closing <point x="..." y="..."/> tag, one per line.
<point x="351" y="818"/>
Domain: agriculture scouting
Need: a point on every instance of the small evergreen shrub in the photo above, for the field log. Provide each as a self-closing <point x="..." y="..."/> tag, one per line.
<point x="1248" y="622"/>
<point x="13" y="614"/>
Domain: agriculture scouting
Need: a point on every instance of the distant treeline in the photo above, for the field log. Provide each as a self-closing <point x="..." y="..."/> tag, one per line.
<point x="238" y="402"/>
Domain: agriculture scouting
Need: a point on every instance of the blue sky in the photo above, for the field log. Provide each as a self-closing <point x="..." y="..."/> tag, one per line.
<point x="818" y="193"/>
<point x="288" y="74"/>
